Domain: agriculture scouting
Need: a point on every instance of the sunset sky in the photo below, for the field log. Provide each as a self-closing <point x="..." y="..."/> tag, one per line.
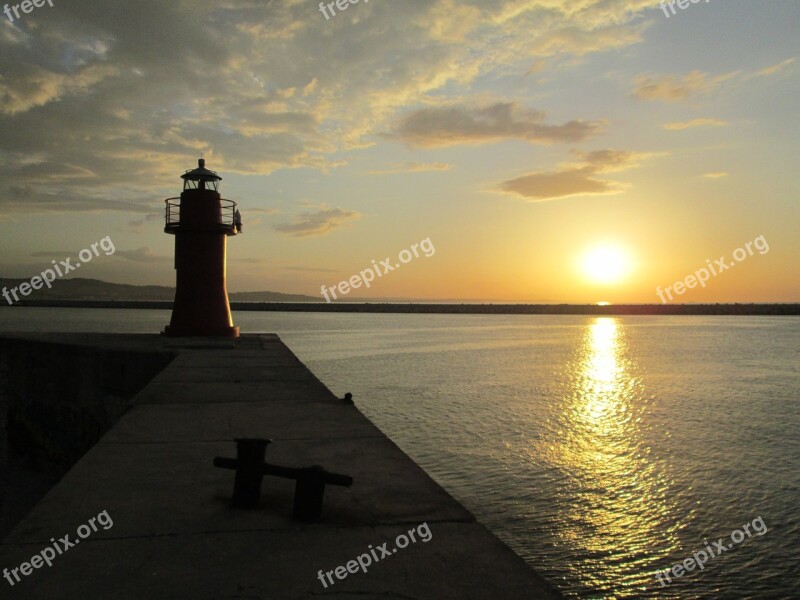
<point x="523" y="137"/>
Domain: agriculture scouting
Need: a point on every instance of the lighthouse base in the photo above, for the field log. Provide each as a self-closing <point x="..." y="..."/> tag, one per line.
<point x="224" y="332"/>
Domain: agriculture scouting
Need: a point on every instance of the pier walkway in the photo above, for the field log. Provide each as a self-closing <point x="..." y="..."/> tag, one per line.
<point x="174" y="535"/>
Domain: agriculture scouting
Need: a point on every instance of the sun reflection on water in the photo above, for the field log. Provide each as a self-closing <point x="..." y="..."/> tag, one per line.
<point x="614" y="508"/>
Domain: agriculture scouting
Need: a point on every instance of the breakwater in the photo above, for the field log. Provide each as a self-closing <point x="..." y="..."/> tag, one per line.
<point x="174" y="532"/>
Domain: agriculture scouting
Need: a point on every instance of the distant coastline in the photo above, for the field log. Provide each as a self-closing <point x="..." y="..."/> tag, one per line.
<point x="438" y="308"/>
<point x="94" y="293"/>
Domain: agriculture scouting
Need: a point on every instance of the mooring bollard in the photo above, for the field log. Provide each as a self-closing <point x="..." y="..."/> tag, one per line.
<point x="310" y="489"/>
<point x="249" y="467"/>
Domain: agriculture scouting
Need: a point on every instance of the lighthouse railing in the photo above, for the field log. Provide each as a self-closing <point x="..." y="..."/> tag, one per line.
<point x="228" y="212"/>
<point x="173" y="214"/>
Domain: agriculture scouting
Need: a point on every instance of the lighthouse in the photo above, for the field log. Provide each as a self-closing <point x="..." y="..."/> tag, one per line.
<point x="201" y="222"/>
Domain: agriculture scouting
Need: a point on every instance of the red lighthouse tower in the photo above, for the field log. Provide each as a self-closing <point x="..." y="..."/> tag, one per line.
<point x="201" y="222"/>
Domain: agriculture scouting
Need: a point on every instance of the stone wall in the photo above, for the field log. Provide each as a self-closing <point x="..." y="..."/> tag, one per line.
<point x="57" y="400"/>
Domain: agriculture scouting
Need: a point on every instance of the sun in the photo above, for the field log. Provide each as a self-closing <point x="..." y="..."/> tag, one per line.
<point x="606" y="264"/>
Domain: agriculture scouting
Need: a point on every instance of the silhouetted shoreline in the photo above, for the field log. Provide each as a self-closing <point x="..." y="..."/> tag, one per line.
<point x="478" y="309"/>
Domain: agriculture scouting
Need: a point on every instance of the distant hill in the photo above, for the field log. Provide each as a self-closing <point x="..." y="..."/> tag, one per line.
<point x="94" y="289"/>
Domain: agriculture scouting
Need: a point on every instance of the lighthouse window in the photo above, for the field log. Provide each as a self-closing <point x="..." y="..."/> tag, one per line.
<point x="208" y="184"/>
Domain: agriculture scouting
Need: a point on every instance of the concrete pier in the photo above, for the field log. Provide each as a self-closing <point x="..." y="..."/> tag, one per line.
<point x="174" y="534"/>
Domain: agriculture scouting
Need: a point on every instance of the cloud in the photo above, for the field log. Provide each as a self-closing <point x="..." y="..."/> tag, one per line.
<point x="62" y="199"/>
<point x="559" y="184"/>
<point x="251" y="261"/>
<point x="51" y="253"/>
<point x="265" y="211"/>
<point x="672" y="88"/>
<point x="775" y="68"/>
<point x="575" y="179"/>
<point x="450" y="21"/>
<point x="21" y="93"/>
<point x="310" y="270"/>
<point x="413" y="167"/>
<point x="579" y="40"/>
<point x="715" y="175"/>
<point x="143" y="255"/>
<point x="138" y="225"/>
<point x="320" y="222"/>
<point x="537" y="66"/>
<point x="681" y="125"/>
<point x="450" y="125"/>
<point x="607" y="161"/>
<point x="101" y="107"/>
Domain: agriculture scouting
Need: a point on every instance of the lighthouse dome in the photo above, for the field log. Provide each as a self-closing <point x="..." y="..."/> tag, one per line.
<point x="201" y="178"/>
